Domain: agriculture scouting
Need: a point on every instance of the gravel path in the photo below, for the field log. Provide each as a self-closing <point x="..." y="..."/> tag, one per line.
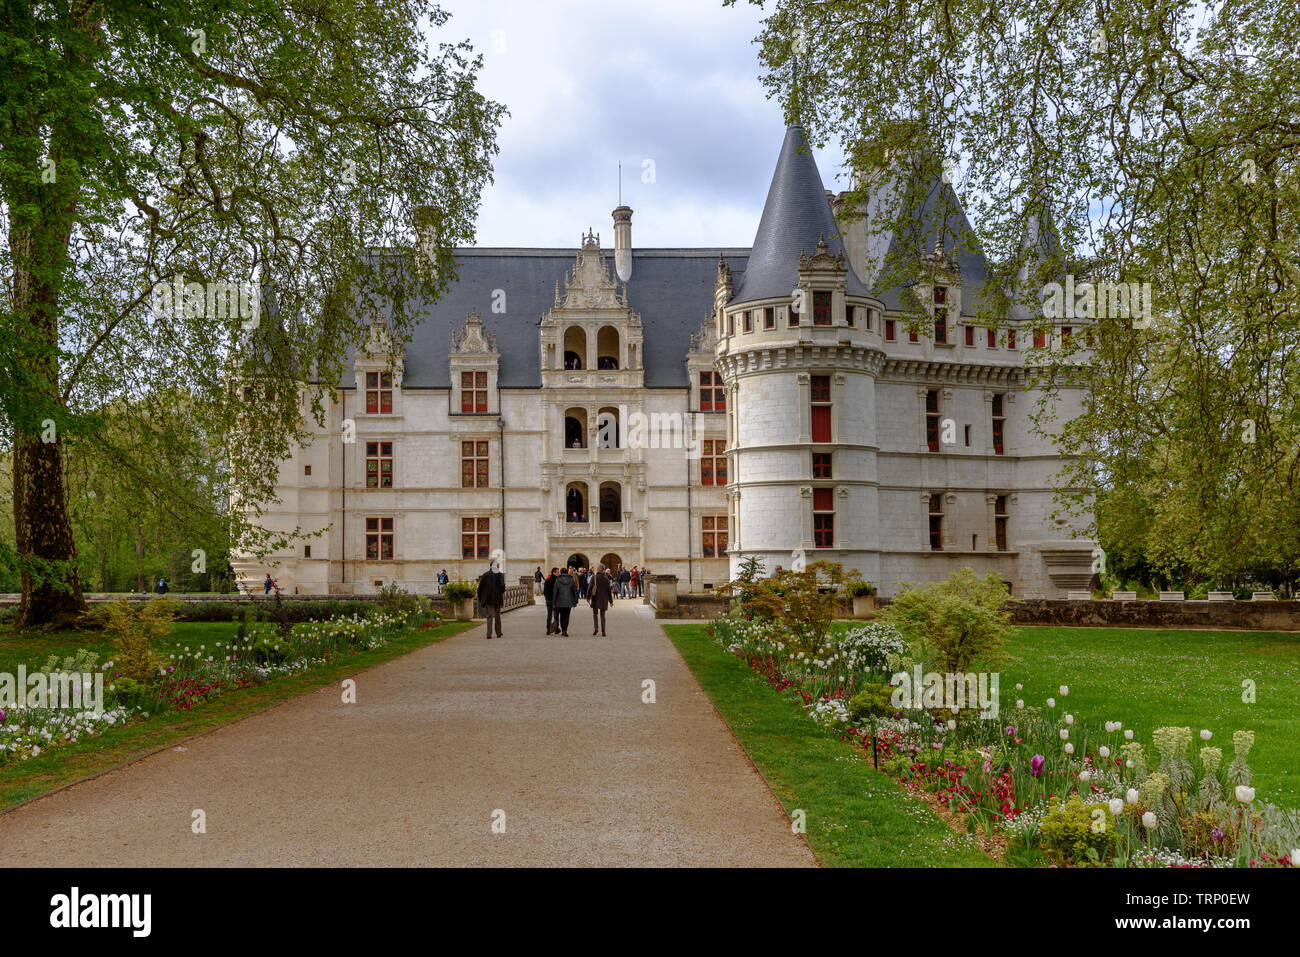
<point x="549" y="732"/>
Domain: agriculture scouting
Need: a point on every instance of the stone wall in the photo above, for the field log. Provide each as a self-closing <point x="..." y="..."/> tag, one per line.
<point x="1252" y="615"/>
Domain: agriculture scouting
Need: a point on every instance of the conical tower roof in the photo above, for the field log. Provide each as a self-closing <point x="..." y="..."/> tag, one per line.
<point x="796" y="216"/>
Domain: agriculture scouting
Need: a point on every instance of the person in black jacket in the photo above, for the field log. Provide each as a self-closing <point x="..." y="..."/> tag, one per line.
<point x="548" y="592"/>
<point x="565" y="598"/>
<point x="491" y="596"/>
<point x="601" y="596"/>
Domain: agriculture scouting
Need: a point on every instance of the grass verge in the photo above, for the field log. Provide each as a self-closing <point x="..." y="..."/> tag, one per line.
<point x="856" y="816"/>
<point x="24" y="780"/>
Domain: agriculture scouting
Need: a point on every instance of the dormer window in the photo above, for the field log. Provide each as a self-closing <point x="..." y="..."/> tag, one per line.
<point x="821" y="308"/>
<point x="379" y="393"/>
<point x="473" y="392"/>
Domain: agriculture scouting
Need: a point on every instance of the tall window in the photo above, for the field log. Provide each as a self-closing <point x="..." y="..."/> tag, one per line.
<point x="792" y="316"/>
<point x="474" y="464"/>
<point x="1000" y="521"/>
<point x="1011" y="338"/>
<point x="379" y="393"/>
<point x="474" y="537"/>
<point x="821" y="465"/>
<point x="713" y="462"/>
<point x="714" y="531"/>
<point x="821" y="308"/>
<point x="970" y="335"/>
<point x="473" y="392"/>
<point x="890" y="334"/>
<point x="940" y="314"/>
<point x="1040" y="339"/>
<point x="379" y="465"/>
<point x="769" y="318"/>
<point x="932" y="420"/>
<point x="1067" y="333"/>
<point x="712" y="397"/>
<point x="379" y="539"/>
<point x="821" y="408"/>
<point x="824" y="518"/>
<point x="870" y="314"/>
<point x="936" y="523"/>
<point x="849" y="315"/>
<point x="748" y="321"/>
<point x="913" y="336"/>
<point x="993" y="338"/>
<point x="999" y="423"/>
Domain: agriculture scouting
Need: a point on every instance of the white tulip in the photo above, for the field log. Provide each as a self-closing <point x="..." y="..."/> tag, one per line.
<point x="1128" y="763"/>
<point x="1295" y="857"/>
<point x="1020" y="702"/>
<point x="952" y="725"/>
<point x="1104" y="751"/>
<point x="1132" y="795"/>
<point x="1065" y="690"/>
<point x="1118" y="725"/>
<point x="1051" y="702"/>
<point x="1069" y="748"/>
<point x="1128" y="735"/>
<point x="1245" y="794"/>
<point x="1116" y="806"/>
<point x="1205" y="735"/>
<point x="1069" y="719"/>
<point x="1065" y="734"/>
<point x="1149" y="820"/>
<point x="1085" y="776"/>
<point x="1020" y="687"/>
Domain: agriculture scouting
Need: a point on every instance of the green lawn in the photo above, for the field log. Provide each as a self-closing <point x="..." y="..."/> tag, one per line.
<point x="1149" y="679"/>
<point x="23" y="780"/>
<point x="856" y="816"/>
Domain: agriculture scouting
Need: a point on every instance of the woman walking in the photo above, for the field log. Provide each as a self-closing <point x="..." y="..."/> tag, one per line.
<point x="565" y="599"/>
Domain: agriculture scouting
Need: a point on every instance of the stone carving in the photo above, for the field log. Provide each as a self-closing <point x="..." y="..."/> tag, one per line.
<point x="472" y="338"/>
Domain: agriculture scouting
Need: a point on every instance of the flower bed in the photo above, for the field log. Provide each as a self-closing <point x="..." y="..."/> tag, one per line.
<point x="1043" y="784"/>
<point x="256" y="653"/>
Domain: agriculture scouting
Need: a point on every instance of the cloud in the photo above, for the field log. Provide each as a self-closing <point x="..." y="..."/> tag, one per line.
<point x="593" y="84"/>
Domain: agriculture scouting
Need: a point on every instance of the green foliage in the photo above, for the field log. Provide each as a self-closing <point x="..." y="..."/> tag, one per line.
<point x="83" y="662"/>
<point x="859" y="589"/>
<point x="395" y="600"/>
<point x="459" y="591"/>
<point x="1078" y="833"/>
<point x="957" y="622"/>
<point x="873" y="701"/>
<point x="134" y="631"/>
<point x="803" y="602"/>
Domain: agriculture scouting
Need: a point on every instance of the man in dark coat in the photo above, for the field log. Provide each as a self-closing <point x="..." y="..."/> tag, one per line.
<point x="565" y="598"/>
<point x="601" y="596"/>
<point x="491" y="596"/>
<point x="548" y="592"/>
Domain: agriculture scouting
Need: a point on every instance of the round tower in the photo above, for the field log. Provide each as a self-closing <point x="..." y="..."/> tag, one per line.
<point x="799" y="349"/>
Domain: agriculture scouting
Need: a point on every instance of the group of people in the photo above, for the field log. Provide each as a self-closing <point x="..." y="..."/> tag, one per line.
<point x="565" y="587"/>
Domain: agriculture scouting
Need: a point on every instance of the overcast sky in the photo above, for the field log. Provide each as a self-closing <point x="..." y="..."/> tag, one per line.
<point x="589" y="84"/>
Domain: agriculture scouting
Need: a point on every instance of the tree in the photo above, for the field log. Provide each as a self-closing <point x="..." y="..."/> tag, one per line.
<point x="957" y="622"/>
<point x="194" y="194"/>
<point x="1152" y="142"/>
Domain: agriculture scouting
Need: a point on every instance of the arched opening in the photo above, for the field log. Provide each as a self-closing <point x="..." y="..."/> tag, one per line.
<point x="607" y="348"/>
<point x="607" y="429"/>
<point x="575" y="428"/>
<point x="575" y="348"/>
<point x="611" y="562"/>
<point x="575" y="502"/>
<point x="577" y="560"/>
<point x="611" y="502"/>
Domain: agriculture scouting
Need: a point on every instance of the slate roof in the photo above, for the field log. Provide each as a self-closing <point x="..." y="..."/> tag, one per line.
<point x="796" y="214"/>
<point x="672" y="289"/>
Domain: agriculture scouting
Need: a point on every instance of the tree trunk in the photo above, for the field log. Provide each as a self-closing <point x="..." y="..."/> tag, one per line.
<point x="44" y="532"/>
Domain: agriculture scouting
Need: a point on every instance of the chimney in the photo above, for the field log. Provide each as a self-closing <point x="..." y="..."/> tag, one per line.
<point x="623" y="242"/>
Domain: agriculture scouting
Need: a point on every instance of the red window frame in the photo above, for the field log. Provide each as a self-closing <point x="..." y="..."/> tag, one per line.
<point x="999" y="424"/>
<point x="890" y="332"/>
<point x="379" y="539"/>
<point x="936" y="523"/>
<point x="713" y="398"/>
<point x="473" y="392"/>
<point x="747" y="321"/>
<point x="379" y="393"/>
<point x="1040" y="339"/>
<point x="713" y="462"/>
<point x="821" y="307"/>
<point x="474" y="470"/>
<point x="379" y="465"/>
<point x="823" y="518"/>
<point x="713" y="535"/>
<point x="1011" y="338"/>
<point x="970" y="335"/>
<point x="993" y="338"/>
<point x="475" y="541"/>
<point x="769" y="318"/>
<point x="932" y="420"/>
<point x="820" y="396"/>
<point x="821" y="465"/>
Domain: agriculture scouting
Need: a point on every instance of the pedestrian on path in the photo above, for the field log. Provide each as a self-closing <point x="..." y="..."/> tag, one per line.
<point x="491" y="596"/>
<point x="601" y="596"/>
<point x="636" y="582"/>
<point x="566" y="598"/>
<point x="548" y="593"/>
